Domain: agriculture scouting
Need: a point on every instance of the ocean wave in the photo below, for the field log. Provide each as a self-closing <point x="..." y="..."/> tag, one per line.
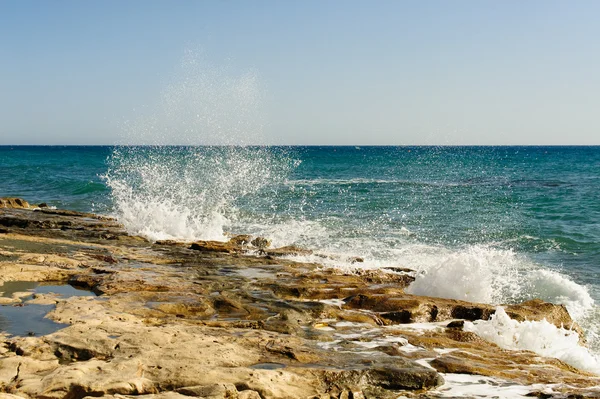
<point x="540" y="337"/>
<point x="476" y="273"/>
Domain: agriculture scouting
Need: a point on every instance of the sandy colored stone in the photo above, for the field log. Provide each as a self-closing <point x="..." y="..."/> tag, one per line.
<point x="248" y="394"/>
<point x="14" y="203"/>
<point x="223" y="318"/>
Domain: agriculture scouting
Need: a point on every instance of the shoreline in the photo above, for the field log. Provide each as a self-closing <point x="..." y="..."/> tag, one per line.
<point x="240" y="319"/>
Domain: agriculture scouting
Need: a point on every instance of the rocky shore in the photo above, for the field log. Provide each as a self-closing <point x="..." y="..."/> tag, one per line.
<point x="238" y="320"/>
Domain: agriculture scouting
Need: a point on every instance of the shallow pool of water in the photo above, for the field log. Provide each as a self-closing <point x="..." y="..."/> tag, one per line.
<point x="29" y="319"/>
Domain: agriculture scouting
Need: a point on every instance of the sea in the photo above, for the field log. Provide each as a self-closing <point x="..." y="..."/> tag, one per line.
<point x="488" y="224"/>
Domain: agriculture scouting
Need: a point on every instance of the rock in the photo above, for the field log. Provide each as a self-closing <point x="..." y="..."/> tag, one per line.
<point x="379" y="276"/>
<point x="400" y="309"/>
<point x="215" y="391"/>
<point x="382" y="381"/>
<point x="470" y="312"/>
<point x="248" y="394"/>
<point x="220" y="320"/>
<point x="451" y="364"/>
<point x="536" y="310"/>
<point x="215" y="246"/>
<point x="261" y="242"/>
<point x="400" y="269"/>
<point x="410" y="378"/>
<point x="17" y="203"/>
<point x="172" y="243"/>
<point x="458" y="324"/>
<point x="290" y="250"/>
<point x="240" y="240"/>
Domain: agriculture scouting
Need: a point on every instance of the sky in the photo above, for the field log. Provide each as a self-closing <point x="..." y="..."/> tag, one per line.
<point x="335" y="72"/>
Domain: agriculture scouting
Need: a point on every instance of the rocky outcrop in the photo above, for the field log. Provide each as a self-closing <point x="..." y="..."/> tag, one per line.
<point x="235" y="319"/>
<point x="14" y="203"/>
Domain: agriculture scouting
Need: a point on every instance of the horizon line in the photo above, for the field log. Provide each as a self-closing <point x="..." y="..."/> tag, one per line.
<point x="300" y="145"/>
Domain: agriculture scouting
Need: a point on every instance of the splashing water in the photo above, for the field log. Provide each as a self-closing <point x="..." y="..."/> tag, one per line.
<point x="540" y="337"/>
<point x="494" y="276"/>
<point x="190" y="192"/>
<point x="186" y="192"/>
<point x="204" y="104"/>
<point x="342" y="207"/>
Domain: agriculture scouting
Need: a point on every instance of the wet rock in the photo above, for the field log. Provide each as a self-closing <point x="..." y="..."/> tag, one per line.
<point x="261" y="242"/>
<point x="172" y="243"/>
<point x="536" y="310"/>
<point x="375" y="381"/>
<point x="451" y="364"/>
<point x="215" y="246"/>
<point x="379" y="276"/>
<point x="403" y="309"/>
<point x="471" y="312"/>
<point x="463" y="336"/>
<point x="63" y="212"/>
<point x="412" y="377"/>
<point x="400" y="269"/>
<point x="290" y="250"/>
<point x="458" y="324"/>
<point x="240" y="240"/>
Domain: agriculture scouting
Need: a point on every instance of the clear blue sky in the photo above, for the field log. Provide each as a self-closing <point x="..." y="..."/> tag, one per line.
<point x="326" y="72"/>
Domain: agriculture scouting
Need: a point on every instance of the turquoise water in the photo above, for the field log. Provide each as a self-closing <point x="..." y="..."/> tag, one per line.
<point x="490" y="224"/>
<point x="540" y="201"/>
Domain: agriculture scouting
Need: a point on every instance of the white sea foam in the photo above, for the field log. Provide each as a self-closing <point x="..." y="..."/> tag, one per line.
<point x="476" y="386"/>
<point x="557" y="288"/>
<point x="488" y="275"/>
<point x="540" y="337"/>
<point x="477" y="274"/>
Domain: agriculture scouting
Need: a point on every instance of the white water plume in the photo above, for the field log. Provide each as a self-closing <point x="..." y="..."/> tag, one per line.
<point x="213" y="114"/>
<point x="204" y="104"/>
<point x="186" y="192"/>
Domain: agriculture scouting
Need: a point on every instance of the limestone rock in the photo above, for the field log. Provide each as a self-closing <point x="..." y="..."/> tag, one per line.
<point x="14" y="203"/>
<point x="214" y="319"/>
<point x="290" y="250"/>
<point x="248" y="394"/>
<point x="214" y="391"/>
<point x="261" y="242"/>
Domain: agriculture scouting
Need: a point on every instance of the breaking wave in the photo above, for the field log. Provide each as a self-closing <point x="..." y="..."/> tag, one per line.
<point x="187" y="193"/>
<point x="541" y="337"/>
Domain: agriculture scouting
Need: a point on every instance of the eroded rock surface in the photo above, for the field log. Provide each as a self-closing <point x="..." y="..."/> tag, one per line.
<point x="236" y="320"/>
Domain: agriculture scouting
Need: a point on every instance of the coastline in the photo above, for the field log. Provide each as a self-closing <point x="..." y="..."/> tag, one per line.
<point x="236" y="319"/>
